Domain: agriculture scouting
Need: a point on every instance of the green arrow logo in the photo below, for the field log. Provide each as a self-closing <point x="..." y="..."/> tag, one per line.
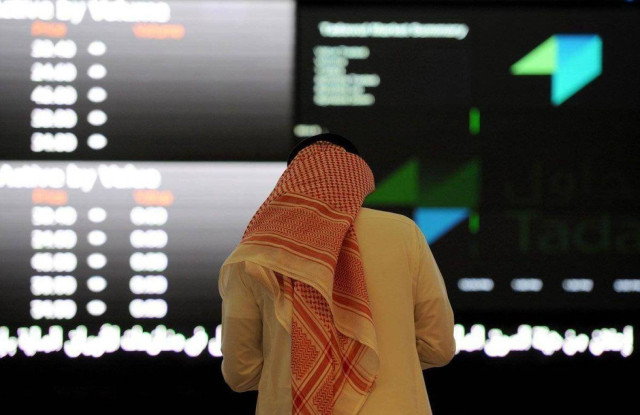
<point x="573" y="61"/>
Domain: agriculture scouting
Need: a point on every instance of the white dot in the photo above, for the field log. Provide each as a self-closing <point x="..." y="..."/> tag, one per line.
<point x="97" y="94"/>
<point x="97" y="117"/>
<point x="97" y="214"/>
<point x="97" y="71"/>
<point x="97" y="141"/>
<point x="96" y="307"/>
<point x="136" y="308"/>
<point x="96" y="261"/>
<point x="137" y="284"/>
<point x="97" y="238"/>
<point x="96" y="283"/>
<point x="97" y="48"/>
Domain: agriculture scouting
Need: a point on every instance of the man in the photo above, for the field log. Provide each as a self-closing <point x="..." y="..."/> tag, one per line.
<point x="330" y="307"/>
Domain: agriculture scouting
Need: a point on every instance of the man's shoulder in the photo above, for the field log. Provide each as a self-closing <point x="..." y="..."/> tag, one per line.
<point x="366" y="213"/>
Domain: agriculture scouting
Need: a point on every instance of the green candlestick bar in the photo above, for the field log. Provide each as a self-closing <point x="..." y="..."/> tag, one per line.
<point x="474" y="222"/>
<point x="474" y="120"/>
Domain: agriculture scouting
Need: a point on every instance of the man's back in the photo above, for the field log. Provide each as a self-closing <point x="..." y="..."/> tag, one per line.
<point x="391" y="261"/>
<point x="411" y="312"/>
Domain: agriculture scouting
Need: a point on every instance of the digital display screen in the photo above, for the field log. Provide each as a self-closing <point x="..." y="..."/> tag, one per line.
<point x="509" y="134"/>
<point x="137" y="138"/>
<point x="145" y="80"/>
<point x="108" y="246"/>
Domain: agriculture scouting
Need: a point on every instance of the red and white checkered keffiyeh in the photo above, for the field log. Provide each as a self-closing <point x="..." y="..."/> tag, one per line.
<point x="304" y="233"/>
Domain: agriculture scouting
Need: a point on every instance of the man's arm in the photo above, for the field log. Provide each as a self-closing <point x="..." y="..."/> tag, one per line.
<point x="433" y="314"/>
<point x="241" y="332"/>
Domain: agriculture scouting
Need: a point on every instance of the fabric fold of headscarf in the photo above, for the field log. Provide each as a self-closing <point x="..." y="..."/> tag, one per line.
<point x="302" y="245"/>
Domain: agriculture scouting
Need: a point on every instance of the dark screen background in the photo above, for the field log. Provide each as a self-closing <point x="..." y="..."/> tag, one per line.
<point x="511" y="191"/>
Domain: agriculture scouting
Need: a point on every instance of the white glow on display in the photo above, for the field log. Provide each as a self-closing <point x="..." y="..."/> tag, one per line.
<point x="109" y="339"/>
<point x="151" y="216"/>
<point x="97" y="141"/>
<point x="29" y="176"/>
<point x="97" y="94"/>
<point x="215" y="344"/>
<point x="54" y="262"/>
<point x="97" y="71"/>
<point x="53" y="143"/>
<point x="97" y="117"/>
<point x="624" y="285"/>
<point x="96" y="283"/>
<point x="8" y="344"/>
<point x="53" y="239"/>
<point x="96" y="238"/>
<point x="96" y="307"/>
<point x="49" y="118"/>
<point x="148" y="261"/>
<point x="76" y="11"/>
<point x="575" y="343"/>
<point x="96" y="261"/>
<point x="150" y="308"/>
<point x="475" y="284"/>
<point x="97" y="48"/>
<point x="47" y="48"/>
<point x="128" y="176"/>
<point x="576" y="285"/>
<point x="495" y="343"/>
<point x="148" y="239"/>
<point x="80" y="343"/>
<point x="609" y="339"/>
<point x="306" y="130"/>
<point x="65" y="215"/>
<point x="52" y="309"/>
<point x="195" y="344"/>
<point x="161" y="339"/>
<point x="526" y="284"/>
<point x="97" y="214"/>
<point x="46" y="215"/>
<point x="393" y="30"/>
<point x="58" y="285"/>
<point x="60" y="95"/>
<point x="30" y="340"/>
<point x="48" y="72"/>
<point x="148" y="284"/>
<point x="42" y="10"/>
<point x="110" y="176"/>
